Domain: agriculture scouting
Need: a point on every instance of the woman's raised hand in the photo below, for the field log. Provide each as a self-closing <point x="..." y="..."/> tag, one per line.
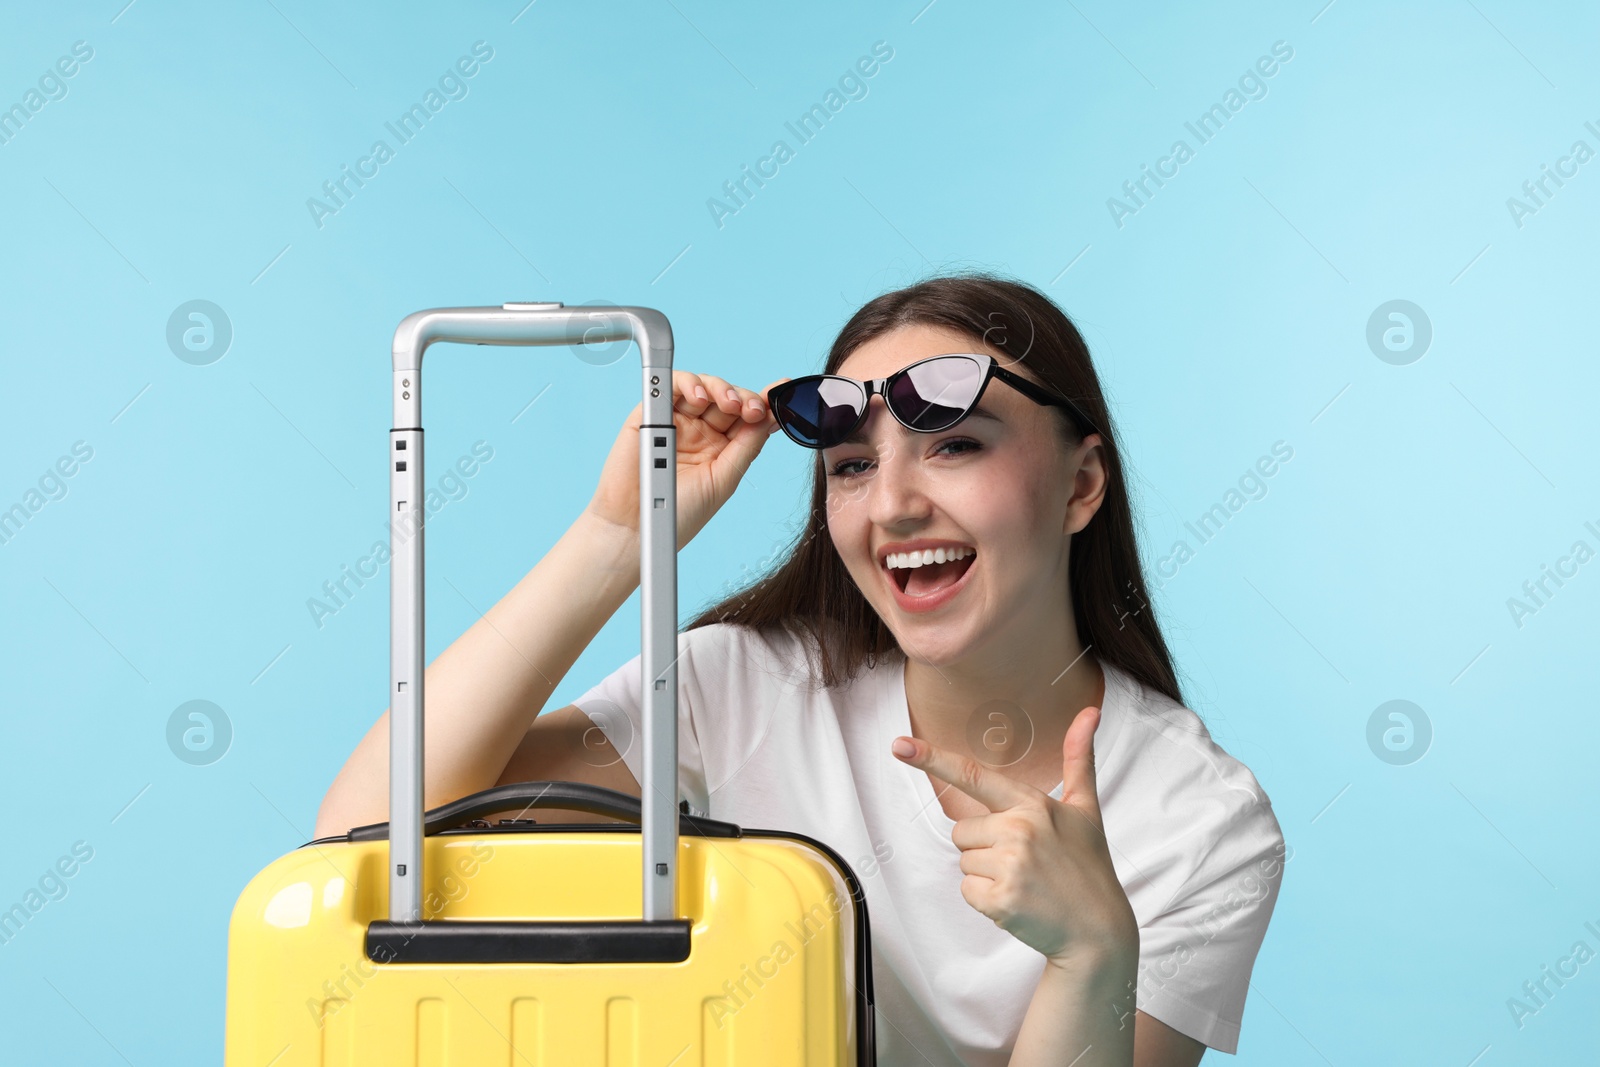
<point x="720" y="429"/>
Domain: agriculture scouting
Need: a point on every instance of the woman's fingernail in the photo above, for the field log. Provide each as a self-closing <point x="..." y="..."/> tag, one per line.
<point x="700" y="392"/>
<point x="733" y="394"/>
<point x="902" y="747"/>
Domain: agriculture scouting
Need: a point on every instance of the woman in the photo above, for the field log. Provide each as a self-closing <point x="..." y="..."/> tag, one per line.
<point x="952" y="677"/>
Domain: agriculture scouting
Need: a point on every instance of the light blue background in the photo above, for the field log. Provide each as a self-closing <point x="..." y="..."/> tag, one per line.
<point x="1229" y="313"/>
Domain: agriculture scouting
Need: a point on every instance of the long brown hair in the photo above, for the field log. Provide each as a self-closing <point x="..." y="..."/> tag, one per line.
<point x="811" y="594"/>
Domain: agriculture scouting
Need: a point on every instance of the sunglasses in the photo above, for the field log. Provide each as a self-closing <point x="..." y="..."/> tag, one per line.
<point x="933" y="394"/>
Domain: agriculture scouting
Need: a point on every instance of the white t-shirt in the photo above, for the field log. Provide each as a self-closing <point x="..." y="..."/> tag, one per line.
<point x="1194" y="840"/>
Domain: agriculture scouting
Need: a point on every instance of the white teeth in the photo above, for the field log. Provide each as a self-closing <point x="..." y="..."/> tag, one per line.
<point x="900" y="560"/>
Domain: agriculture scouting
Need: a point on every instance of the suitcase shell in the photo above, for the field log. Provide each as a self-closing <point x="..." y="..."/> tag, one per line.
<point x="771" y="978"/>
<point x="458" y="942"/>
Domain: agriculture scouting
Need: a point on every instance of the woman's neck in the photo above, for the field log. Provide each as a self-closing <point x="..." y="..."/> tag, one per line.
<point x="1008" y="711"/>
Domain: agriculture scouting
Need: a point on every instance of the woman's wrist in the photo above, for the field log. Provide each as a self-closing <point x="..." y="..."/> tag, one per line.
<point x="610" y="546"/>
<point x="1117" y="946"/>
<point x="1088" y="961"/>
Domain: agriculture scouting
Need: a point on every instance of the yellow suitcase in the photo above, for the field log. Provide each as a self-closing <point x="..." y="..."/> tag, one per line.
<point x="438" y="939"/>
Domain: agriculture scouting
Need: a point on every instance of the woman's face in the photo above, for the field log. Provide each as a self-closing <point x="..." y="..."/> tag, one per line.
<point x="999" y="488"/>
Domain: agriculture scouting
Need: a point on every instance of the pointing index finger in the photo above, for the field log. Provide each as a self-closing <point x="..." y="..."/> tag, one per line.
<point x="985" y="785"/>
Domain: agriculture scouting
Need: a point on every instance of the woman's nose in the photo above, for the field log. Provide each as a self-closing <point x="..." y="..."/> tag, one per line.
<point x="896" y="491"/>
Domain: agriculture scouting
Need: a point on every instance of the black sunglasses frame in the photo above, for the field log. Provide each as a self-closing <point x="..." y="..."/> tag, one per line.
<point x="880" y="387"/>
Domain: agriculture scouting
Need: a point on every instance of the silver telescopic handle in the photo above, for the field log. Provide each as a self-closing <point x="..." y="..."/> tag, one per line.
<point x="536" y="324"/>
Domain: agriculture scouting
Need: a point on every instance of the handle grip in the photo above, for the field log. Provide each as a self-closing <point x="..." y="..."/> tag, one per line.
<point x="546" y="941"/>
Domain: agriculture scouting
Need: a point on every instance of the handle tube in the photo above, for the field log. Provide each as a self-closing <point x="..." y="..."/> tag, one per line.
<point x="535" y="324"/>
<point x="406" y="513"/>
<point x="658" y="662"/>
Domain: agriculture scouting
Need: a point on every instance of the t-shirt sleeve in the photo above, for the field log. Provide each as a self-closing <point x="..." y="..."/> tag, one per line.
<point x="1196" y="956"/>
<point x="614" y="706"/>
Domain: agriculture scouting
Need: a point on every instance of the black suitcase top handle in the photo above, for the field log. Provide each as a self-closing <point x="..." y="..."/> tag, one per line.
<point x="568" y="796"/>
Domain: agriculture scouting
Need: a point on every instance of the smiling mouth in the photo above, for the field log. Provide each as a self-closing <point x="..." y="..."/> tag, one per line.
<point x="920" y="579"/>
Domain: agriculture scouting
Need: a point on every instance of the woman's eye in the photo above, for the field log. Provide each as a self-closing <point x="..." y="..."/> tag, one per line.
<point x="971" y="446"/>
<point x="847" y="468"/>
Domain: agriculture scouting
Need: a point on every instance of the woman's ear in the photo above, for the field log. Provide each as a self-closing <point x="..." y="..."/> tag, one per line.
<point x="1087" y="464"/>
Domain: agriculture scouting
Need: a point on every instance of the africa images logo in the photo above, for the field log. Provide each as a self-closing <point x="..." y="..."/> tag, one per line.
<point x="452" y="85"/>
<point x="1210" y="122"/>
<point x="852" y="85"/>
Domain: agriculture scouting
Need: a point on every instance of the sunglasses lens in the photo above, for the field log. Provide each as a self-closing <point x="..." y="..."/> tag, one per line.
<point x="936" y="394"/>
<point x="818" y="413"/>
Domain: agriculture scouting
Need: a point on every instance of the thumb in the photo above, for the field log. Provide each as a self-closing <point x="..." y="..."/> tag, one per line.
<point x="1077" y="760"/>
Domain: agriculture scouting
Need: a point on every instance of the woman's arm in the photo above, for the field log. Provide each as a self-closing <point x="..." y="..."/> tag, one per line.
<point x="1155" y="1044"/>
<point x="486" y="689"/>
<point x="1041" y="869"/>
<point x="1082" y="1016"/>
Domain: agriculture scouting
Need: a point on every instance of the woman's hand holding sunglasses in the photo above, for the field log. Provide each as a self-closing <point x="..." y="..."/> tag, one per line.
<point x="720" y="430"/>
